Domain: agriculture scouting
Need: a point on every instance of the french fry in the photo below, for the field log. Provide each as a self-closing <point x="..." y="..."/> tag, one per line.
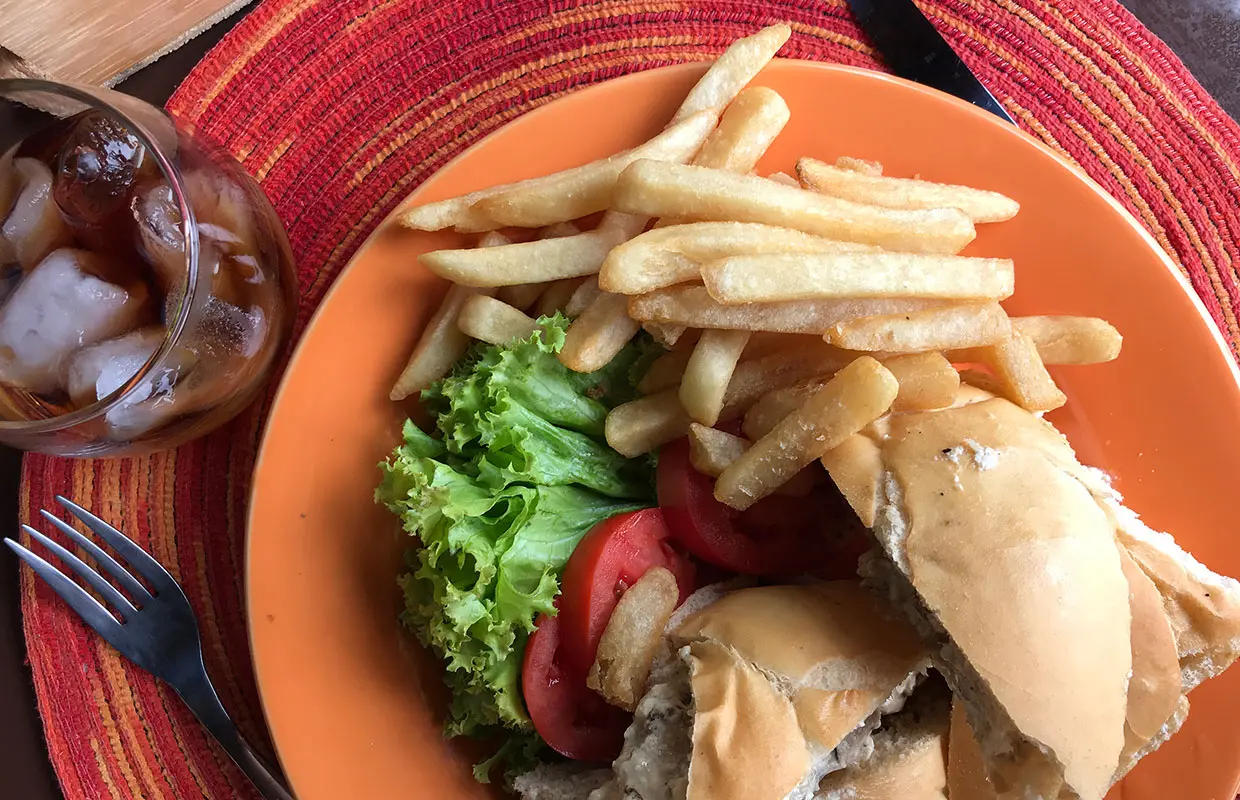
<point x="712" y="450"/>
<point x="746" y="129"/>
<point x="660" y="189"/>
<point x="785" y="179"/>
<point x="560" y="196"/>
<point x="945" y="328"/>
<point x="643" y="425"/>
<point x="1071" y="340"/>
<point x="602" y="331"/>
<point x="733" y="70"/>
<point x="765" y="343"/>
<point x="858" y="394"/>
<point x="772" y="407"/>
<point x="632" y="637"/>
<point x="581" y="299"/>
<point x="1019" y="372"/>
<point x="981" y="205"/>
<point x="927" y="380"/>
<point x="825" y="276"/>
<point x="522" y="295"/>
<point x="557" y="295"/>
<point x="692" y="306"/>
<point x="708" y="373"/>
<point x="752" y="379"/>
<point x="665" y="372"/>
<point x="569" y="195"/>
<point x="442" y="344"/>
<point x="527" y="262"/>
<point x="858" y="165"/>
<point x="668" y="256"/>
<point x="622" y="226"/>
<point x="666" y="335"/>
<point x="493" y="321"/>
<point x="558" y="231"/>
<point x="451" y="213"/>
<point x="982" y="380"/>
<point x="493" y="239"/>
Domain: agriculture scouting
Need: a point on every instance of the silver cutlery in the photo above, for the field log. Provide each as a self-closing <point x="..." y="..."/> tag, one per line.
<point x="155" y="629"/>
<point x="914" y="50"/>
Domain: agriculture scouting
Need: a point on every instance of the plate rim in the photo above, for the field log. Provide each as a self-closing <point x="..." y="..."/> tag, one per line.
<point x="988" y="118"/>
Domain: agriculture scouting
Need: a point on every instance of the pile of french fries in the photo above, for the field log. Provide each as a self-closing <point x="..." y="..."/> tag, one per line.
<point x="803" y="307"/>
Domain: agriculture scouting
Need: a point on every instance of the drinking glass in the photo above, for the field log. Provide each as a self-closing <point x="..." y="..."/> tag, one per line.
<point x="146" y="284"/>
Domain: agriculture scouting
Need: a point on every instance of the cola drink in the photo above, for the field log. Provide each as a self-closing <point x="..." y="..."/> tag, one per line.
<point x="143" y="302"/>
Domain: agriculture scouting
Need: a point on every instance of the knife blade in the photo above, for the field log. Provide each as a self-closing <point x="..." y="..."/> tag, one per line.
<point x="914" y="50"/>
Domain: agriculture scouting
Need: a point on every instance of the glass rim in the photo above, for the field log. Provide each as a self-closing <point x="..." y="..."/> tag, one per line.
<point x="95" y="99"/>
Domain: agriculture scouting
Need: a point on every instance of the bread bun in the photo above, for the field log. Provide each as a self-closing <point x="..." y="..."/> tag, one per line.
<point x="910" y="754"/>
<point x="1040" y="592"/>
<point x="766" y="690"/>
<point x="788" y="684"/>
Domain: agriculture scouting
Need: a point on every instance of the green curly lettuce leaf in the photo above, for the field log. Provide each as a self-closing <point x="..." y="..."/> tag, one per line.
<point x="497" y="505"/>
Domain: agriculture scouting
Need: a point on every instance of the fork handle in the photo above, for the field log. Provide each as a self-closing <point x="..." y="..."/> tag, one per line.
<point x="200" y="696"/>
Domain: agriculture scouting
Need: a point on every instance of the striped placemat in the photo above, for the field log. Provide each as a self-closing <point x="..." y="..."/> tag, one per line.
<point x="341" y="108"/>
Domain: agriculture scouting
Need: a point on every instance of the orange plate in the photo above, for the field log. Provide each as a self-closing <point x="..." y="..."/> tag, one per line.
<point x="355" y="706"/>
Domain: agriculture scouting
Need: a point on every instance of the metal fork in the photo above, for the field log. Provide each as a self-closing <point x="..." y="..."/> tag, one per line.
<point x="157" y="631"/>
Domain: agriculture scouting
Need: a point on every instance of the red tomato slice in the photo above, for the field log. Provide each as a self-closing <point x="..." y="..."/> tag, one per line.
<point x="610" y="559"/>
<point x="570" y="717"/>
<point x="777" y="537"/>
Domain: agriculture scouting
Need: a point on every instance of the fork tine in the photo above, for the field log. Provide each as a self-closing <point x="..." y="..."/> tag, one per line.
<point x="87" y="607"/>
<point x="127" y="581"/>
<point x="78" y="566"/>
<point x="137" y="558"/>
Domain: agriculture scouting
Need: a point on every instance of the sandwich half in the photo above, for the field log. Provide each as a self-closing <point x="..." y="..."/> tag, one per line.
<point x="760" y="693"/>
<point x="1069" y="631"/>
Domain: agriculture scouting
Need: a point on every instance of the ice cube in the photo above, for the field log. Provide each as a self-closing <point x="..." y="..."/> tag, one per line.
<point x="127" y="421"/>
<point x="218" y="356"/>
<point x="95" y="371"/>
<point x="34" y="228"/>
<point x="223" y="330"/>
<point x="223" y="211"/>
<point x="168" y="392"/>
<point x="97" y="169"/>
<point x="59" y="307"/>
<point x="160" y="233"/>
<point x="163" y="243"/>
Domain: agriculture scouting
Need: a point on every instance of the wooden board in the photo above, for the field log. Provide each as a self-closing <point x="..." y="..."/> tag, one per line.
<point x="98" y="42"/>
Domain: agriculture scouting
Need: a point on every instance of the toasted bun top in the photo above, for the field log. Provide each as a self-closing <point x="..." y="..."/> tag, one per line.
<point x="777" y="670"/>
<point x="833" y="635"/>
<point x="1018" y="562"/>
<point x="916" y="773"/>
<point x="747" y="744"/>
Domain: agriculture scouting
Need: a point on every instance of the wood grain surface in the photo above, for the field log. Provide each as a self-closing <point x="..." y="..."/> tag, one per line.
<point x="98" y="42"/>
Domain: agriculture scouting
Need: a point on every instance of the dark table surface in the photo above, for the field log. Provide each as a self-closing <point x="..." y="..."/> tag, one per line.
<point x="1204" y="33"/>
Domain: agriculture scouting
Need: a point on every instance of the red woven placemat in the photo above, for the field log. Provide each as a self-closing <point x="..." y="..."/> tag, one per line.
<point x="341" y="108"/>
